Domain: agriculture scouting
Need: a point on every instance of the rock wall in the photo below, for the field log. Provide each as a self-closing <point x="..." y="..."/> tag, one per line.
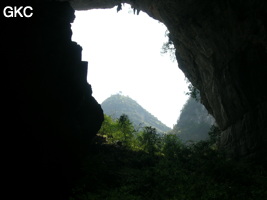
<point x="221" y="48"/>
<point x="51" y="116"/>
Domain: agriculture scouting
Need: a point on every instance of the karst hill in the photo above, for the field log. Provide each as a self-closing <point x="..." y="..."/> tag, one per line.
<point x="117" y="105"/>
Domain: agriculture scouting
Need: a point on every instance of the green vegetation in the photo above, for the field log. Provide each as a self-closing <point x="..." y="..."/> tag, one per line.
<point x="193" y="92"/>
<point x="121" y="132"/>
<point x="168" y="47"/>
<point x="117" y="104"/>
<point x="142" y="165"/>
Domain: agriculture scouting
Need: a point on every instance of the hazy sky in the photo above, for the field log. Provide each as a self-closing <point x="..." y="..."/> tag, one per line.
<point x="123" y="51"/>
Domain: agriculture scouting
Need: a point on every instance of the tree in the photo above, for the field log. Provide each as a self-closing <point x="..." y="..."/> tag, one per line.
<point x="127" y="129"/>
<point x="120" y="131"/>
<point x="171" y="145"/>
<point x="149" y="140"/>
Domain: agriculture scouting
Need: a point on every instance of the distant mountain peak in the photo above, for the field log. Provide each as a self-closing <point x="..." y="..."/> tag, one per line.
<point x="118" y="104"/>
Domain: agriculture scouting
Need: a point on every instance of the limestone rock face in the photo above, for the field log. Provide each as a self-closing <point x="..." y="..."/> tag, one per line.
<point x="51" y="115"/>
<point x="221" y="48"/>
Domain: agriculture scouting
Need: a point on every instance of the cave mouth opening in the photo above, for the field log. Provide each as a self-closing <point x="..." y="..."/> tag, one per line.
<point x="124" y="54"/>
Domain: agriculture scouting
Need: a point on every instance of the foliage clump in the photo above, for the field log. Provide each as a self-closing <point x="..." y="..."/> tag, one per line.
<point x="168" y="47"/>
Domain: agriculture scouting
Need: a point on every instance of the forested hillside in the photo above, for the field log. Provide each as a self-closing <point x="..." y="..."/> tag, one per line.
<point x="194" y="122"/>
<point x="117" y="104"/>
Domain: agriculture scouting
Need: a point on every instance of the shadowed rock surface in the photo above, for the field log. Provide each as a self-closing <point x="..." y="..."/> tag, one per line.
<point x="51" y="114"/>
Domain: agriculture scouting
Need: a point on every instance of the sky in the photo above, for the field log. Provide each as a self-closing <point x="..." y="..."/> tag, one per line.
<point x="123" y="52"/>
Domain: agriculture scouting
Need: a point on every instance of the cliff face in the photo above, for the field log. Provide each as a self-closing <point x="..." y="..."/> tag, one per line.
<point x="51" y="115"/>
<point x="221" y="48"/>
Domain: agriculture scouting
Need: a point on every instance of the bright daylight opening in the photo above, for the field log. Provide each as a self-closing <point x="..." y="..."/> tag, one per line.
<point x="123" y="51"/>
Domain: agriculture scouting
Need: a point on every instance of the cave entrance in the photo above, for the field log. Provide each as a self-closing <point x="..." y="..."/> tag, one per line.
<point x="123" y="51"/>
